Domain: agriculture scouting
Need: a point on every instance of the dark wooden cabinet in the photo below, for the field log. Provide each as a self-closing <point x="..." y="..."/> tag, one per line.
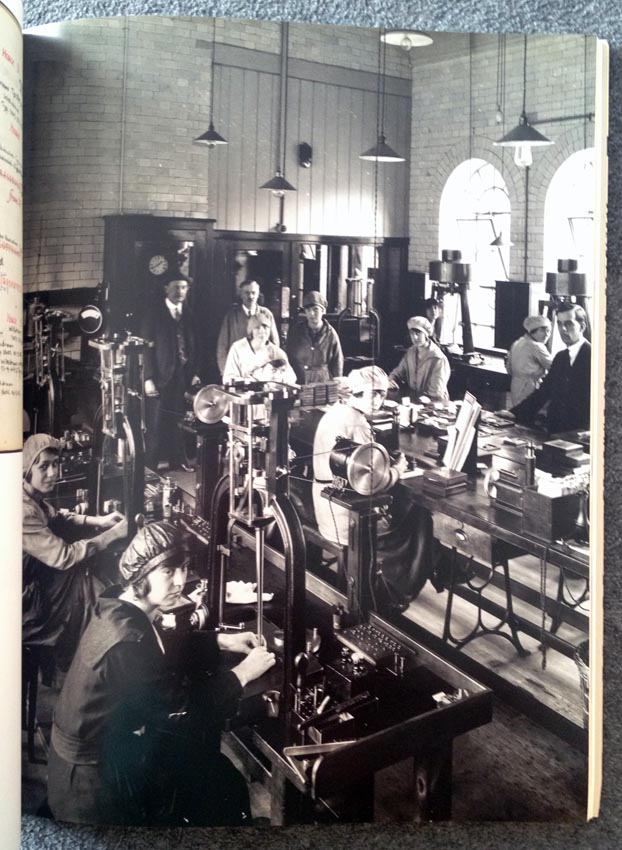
<point x="512" y="306"/>
<point x="140" y="250"/>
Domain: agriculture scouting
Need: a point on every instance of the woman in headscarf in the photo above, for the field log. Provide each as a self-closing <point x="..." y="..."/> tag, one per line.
<point x="528" y="359"/>
<point x="136" y="733"/>
<point x="423" y="370"/>
<point x="59" y="590"/>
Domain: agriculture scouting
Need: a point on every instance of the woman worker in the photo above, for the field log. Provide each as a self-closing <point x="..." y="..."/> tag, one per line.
<point x="423" y="370"/>
<point x="528" y="359"/>
<point x="347" y="419"/>
<point x="58" y="588"/>
<point x="136" y="733"/>
<point x="256" y="357"/>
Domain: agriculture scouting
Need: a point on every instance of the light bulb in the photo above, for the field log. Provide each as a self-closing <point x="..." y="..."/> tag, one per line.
<point x="499" y="116"/>
<point x="278" y="193"/>
<point x="522" y="156"/>
<point x="406" y="43"/>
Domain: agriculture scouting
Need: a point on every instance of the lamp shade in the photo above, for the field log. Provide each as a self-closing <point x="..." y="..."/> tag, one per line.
<point x="523" y="135"/>
<point x="278" y="184"/>
<point x="210" y="137"/>
<point x="406" y="39"/>
<point x="381" y="152"/>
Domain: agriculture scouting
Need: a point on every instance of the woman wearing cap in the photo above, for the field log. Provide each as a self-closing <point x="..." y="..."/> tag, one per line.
<point x="58" y="590"/>
<point x="256" y="357"/>
<point x="313" y="346"/>
<point x="423" y="370"/>
<point x="136" y="733"/>
<point x="347" y="419"/>
<point x="528" y="359"/>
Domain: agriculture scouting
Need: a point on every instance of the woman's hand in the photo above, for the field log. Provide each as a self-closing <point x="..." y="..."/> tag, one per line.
<point x="256" y="663"/>
<point x="243" y="642"/>
<point x="106" y="521"/>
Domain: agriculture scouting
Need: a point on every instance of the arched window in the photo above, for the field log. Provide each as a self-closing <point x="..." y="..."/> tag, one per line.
<point x="569" y="215"/>
<point x="474" y="213"/>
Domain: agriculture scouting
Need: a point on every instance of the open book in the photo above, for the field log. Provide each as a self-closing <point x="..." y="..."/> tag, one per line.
<point x="376" y="169"/>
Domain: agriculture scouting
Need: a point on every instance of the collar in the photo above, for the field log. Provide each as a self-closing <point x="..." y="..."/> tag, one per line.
<point x="573" y="350"/>
<point x="247" y="311"/>
<point x="30" y="491"/>
<point x="174" y="309"/>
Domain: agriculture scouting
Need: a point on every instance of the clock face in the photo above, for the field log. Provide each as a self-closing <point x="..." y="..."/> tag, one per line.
<point x="158" y="264"/>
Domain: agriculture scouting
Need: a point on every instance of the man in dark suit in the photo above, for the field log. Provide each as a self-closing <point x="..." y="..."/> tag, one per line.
<point x="169" y="371"/>
<point x="567" y="386"/>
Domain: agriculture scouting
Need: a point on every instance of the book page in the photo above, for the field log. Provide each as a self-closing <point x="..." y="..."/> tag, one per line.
<point x="10" y="232"/>
<point x="10" y="409"/>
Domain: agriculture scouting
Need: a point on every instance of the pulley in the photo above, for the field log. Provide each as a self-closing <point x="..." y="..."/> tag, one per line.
<point x="210" y="404"/>
<point x="366" y="467"/>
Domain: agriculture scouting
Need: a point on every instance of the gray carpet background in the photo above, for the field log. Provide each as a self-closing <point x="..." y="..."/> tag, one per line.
<point x="598" y="17"/>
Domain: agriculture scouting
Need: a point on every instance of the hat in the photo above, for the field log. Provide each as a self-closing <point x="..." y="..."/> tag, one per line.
<point x="532" y="323"/>
<point x="314" y="297"/>
<point x="34" y="446"/>
<point x="421" y="324"/>
<point x="155" y="544"/>
<point x="369" y="376"/>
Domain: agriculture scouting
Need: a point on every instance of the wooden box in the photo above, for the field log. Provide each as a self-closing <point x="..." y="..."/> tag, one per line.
<point x="550" y="518"/>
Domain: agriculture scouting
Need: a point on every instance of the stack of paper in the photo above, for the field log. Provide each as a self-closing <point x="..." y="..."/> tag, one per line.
<point x="461" y="435"/>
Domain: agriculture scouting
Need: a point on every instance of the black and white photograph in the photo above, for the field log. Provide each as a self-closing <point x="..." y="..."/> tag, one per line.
<point x="313" y="424"/>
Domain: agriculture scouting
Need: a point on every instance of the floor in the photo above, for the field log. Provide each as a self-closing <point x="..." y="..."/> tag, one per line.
<point x="510" y="769"/>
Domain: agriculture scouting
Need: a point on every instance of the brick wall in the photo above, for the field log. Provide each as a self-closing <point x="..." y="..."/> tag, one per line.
<point x="556" y="87"/>
<point x="113" y="106"/>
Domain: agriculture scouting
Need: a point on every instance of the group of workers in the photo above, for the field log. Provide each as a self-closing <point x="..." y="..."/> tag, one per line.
<point x="124" y="682"/>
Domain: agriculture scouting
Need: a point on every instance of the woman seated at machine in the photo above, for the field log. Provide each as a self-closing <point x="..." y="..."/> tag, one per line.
<point x="59" y="589"/>
<point x="256" y="358"/>
<point x="423" y="370"/>
<point x="136" y="733"/>
<point x="405" y="531"/>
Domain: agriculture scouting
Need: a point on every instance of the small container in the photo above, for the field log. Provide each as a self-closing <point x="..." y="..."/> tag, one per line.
<point x="167" y="493"/>
<point x="338" y="613"/>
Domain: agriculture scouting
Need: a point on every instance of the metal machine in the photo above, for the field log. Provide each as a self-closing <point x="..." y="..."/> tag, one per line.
<point x="450" y="276"/>
<point x="119" y="449"/>
<point x="46" y="327"/>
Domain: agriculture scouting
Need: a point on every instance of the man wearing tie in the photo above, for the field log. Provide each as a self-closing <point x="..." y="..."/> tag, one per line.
<point x="567" y="386"/>
<point x="169" y="371"/>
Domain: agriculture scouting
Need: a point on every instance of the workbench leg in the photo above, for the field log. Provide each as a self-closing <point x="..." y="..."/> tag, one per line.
<point x="433" y="777"/>
<point x="287" y="805"/>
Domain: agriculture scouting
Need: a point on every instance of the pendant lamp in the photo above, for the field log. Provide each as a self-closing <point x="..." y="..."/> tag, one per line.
<point x="211" y="137"/>
<point x="381" y="151"/>
<point x="523" y="138"/>
<point x="278" y="185"/>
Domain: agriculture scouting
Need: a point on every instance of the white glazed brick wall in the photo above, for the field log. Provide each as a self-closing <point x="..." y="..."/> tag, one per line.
<point x="115" y="106"/>
<point x="555" y="87"/>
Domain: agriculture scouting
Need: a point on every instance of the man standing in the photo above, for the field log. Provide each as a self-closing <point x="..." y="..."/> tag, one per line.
<point x="424" y="369"/>
<point x="235" y="323"/>
<point x="169" y="371"/>
<point x="313" y="346"/>
<point x="567" y="386"/>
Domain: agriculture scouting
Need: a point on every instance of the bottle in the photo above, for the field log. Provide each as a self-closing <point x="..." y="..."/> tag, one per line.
<point x="338" y="613"/>
<point x="530" y="466"/>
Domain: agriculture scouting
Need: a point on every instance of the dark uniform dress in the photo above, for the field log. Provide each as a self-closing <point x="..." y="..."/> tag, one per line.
<point x="315" y="356"/>
<point x="59" y="585"/>
<point x="136" y="733"/>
